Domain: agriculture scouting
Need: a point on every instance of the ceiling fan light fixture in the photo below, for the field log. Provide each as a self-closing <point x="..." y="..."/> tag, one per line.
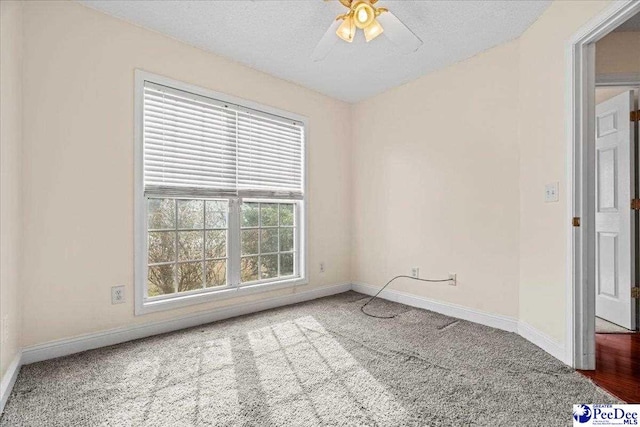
<point x="347" y="30"/>
<point x="373" y="21"/>
<point x="363" y="14"/>
<point x="373" y="30"/>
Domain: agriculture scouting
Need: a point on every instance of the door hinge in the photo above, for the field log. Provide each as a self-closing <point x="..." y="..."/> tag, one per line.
<point x="635" y="292"/>
<point x="576" y="221"/>
<point x="635" y="116"/>
<point x="635" y="204"/>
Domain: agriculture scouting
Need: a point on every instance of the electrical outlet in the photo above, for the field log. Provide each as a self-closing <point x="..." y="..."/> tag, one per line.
<point x="453" y="280"/>
<point x="415" y="272"/>
<point x="117" y="294"/>
<point x="322" y="267"/>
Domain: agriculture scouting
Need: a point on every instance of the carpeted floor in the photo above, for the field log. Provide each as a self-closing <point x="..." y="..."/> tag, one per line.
<point x="606" y="327"/>
<point x="317" y="363"/>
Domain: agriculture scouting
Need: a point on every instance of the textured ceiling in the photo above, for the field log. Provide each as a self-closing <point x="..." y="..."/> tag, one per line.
<point x="278" y="37"/>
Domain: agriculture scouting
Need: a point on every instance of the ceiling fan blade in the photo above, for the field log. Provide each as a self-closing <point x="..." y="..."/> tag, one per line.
<point x="347" y="3"/>
<point x="326" y="42"/>
<point x="398" y="33"/>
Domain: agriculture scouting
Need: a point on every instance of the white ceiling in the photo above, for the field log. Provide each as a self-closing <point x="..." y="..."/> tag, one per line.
<point x="278" y="37"/>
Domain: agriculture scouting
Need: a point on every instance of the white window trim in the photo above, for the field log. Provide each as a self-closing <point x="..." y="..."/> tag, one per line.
<point x="143" y="306"/>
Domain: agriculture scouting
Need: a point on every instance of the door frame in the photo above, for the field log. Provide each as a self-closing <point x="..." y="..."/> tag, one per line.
<point x="581" y="80"/>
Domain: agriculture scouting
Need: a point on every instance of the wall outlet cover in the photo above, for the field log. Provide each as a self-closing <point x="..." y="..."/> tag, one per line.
<point x="117" y="294"/>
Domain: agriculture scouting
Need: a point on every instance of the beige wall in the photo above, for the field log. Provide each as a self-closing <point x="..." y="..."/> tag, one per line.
<point x="10" y="165"/>
<point x="608" y="92"/>
<point x="78" y="171"/>
<point x="450" y="170"/>
<point x="447" y="173"/>
<point x="435" y="183"/>
<point x="543" y="159"/>
<point x="618" y="53"/>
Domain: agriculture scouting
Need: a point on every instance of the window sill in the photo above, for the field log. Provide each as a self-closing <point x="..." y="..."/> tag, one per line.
<point x="152" y="306"/>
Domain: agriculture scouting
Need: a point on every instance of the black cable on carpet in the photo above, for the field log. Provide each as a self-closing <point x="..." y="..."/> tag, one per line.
<point x="388" y="283"/>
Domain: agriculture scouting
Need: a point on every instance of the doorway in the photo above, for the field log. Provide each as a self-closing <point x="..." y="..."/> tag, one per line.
<point x="616" y="228"/>
<point x="581" y="287"/>
<point x="603" y="303"/>
<point x="617" y="341"/>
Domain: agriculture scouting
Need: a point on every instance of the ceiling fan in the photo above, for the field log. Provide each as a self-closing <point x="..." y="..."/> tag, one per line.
<point x="373" y="21"/>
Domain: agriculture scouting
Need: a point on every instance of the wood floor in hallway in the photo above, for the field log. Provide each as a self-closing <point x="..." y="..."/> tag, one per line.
<point x="618" y="365"/>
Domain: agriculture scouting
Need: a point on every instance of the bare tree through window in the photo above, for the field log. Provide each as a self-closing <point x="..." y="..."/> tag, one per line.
<point x="187" y="244"/>
<point x="267" y="241"/>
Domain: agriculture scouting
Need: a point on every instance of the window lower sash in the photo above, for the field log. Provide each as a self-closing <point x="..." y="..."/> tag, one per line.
<point x="234" y="286"/>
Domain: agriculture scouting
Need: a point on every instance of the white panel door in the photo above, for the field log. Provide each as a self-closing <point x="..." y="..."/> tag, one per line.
<point x="614" y="217"/>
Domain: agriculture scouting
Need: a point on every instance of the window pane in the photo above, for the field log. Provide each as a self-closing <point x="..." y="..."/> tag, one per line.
<point x="189" y="276"/>
<point x="216" y="213"/>
<point x="286" y="239"/>
<point x="249" y="268"/>
<point x="269" y="215"/>
<point x="216" y="244"/>
<point x="216" y="273"/>
<point x="286" y="264"/>
<point x="190" y="213"/>
<point x="268" y="266"/>
<point x="162" y="246"/>
<point x="250" y="214"/>
<point x="286" y="214"/>
<point x="160" y="280"/>
<point x="189" y="245"/>
<point x="200" y="250"/>
<point x="162" y="214"/>
<point x="249" y="242"/>
<point x="269" y="240"/>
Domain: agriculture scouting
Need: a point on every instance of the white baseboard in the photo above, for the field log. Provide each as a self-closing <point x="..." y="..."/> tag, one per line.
<point x="543" y="341"/>
<point x="85" y="342"/>
<point x="505" y="323"/>
<point x="9" y="379"/>
<point x="460" y="312"/>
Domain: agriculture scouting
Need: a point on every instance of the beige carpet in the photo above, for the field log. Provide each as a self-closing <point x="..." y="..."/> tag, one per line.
<point x="606" y="327"/>
<point x="321" y="363"/>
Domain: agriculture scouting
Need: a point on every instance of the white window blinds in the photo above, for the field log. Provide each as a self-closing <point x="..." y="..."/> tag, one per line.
<point x="269" y="154"/>
<point x="198" y="146"/>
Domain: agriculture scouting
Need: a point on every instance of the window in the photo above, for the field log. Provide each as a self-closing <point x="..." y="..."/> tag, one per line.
<point x="187" y="245"/>
<point x="219" y="196"/>
<point x="268" y="245"/>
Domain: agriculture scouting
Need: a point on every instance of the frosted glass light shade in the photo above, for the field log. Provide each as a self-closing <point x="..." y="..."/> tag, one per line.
<point x="373" y="30"/>
<point x="347" y="30"/>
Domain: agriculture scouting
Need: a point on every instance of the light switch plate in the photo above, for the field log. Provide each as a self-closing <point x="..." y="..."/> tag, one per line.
<point x="551" y="192"/>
